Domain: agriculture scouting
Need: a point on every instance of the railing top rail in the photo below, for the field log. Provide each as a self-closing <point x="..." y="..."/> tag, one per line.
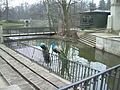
<point x="89" y="78"/>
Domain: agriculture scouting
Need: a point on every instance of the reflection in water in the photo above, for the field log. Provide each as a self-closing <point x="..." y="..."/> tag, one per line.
<point x="98" y="66"/>
<point x="74" y="55"/>
<point x="106" y="58"/>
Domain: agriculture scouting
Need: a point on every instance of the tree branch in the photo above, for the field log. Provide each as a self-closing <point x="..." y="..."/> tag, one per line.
<point x="59" y="2"/>
<point x="68" y="5"/>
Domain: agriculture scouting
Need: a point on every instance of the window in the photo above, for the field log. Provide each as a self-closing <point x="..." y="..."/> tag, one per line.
<point x="87" y="19"/>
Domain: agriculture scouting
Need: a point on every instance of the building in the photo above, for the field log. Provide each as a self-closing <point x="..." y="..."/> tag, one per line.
<point x="94" y="19"/>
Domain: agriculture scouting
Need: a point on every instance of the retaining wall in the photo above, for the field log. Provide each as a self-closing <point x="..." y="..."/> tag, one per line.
<point x="109" y="44"/>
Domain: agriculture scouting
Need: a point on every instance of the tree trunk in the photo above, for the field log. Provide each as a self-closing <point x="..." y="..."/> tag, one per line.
<point x="65" y="16"/>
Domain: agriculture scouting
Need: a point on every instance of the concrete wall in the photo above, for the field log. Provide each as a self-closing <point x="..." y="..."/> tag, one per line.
<point x="110" y="45"/>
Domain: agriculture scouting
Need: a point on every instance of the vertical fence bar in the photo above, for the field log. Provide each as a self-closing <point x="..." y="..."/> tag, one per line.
<point x="118" y="84"/>
<point x="94" y="83"/>
<point x="73" y="71"/>
<point x="114" y="78"/>
<point x="79" y="71"/>
<point x="85" y="85"/>
<point x="101" y="84"/>
<point x="109" y="77"/>
<point x="105" y="77"/>
<point x="76" y="74"/>
<point x="75" y="87"/>
<point x="82" y="73"/>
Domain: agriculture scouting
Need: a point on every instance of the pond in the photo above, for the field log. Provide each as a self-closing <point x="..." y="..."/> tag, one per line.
<point x="80" y="52"/>
<point x="82" y="61"/>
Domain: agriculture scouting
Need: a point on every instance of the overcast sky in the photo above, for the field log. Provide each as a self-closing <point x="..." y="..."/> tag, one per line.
<point x="18" y="2"/>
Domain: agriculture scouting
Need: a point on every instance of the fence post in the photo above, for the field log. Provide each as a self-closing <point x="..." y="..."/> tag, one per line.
<point x="1" y="34"/>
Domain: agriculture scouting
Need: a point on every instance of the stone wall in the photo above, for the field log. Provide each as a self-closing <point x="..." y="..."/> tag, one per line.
<point x="111" y="45"/>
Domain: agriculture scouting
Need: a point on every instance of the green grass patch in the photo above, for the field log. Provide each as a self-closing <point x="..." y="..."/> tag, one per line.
<point x="11" y="23"/>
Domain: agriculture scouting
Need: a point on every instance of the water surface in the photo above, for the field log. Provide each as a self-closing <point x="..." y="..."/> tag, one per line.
<point x="81" y="53"/>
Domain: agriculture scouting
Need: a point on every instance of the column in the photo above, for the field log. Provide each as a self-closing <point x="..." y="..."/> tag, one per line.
<point x="115" y="12"/>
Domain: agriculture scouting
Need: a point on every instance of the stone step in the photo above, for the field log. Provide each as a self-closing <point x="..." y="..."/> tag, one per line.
<point x="87" y="43"/>
<point x="12" y="77"/>
<point x="26" y="73"/>
<point x="36" y="68"/>
<point x="88" y="39"/>
<point x="88" y="35"/>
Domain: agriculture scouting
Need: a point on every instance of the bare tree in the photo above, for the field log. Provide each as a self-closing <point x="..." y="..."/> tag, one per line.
<point x="7" y="9"/>
<point x="0" y="10"/>
<point x="102" y="5"/>
<point x="47" y="5"/>
<point x="92" y="6"/>
<point x="64" y="6"/>
<point x="108" y="4"/>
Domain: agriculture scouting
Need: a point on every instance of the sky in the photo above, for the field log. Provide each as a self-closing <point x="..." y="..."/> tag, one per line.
<point x="18" y="2"/>
<point x="97" y="2"/>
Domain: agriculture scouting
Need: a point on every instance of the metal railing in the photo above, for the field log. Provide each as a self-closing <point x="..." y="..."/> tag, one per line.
<point x="29" y="31"/>
<point x="67" y="69"/>
<point x="107" y="80"/>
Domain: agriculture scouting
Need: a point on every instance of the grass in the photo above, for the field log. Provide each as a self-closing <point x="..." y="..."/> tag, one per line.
<point x="11" y="23"/>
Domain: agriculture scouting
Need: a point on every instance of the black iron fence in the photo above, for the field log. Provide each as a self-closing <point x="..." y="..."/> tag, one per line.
<point x="67" y="69"/>
<point x="107" y="80"/>
<point x="29" y="31"/>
